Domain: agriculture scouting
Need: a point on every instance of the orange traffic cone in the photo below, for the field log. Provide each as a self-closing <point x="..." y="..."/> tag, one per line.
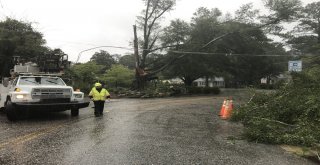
<point x="223" y="107"/>
<point x="228" y="110"/>
<point x="231" y="105"/>
<point x="224" y="113"/>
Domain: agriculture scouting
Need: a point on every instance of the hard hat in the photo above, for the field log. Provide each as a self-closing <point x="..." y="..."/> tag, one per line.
<point x="97" y="84"/>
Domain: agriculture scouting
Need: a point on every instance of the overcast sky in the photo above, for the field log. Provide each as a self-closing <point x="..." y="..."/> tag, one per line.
<point x="76" y="25"/>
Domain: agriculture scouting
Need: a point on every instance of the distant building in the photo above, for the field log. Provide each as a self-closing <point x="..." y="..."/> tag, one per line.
<point x="173" y="81"/>
<point x="200" y="82"/>
<point x="272" y="80"/>
<point x="212" y="82"/>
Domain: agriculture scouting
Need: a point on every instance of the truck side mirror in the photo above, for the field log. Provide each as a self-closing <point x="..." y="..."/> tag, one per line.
<point x="5" y="82"/>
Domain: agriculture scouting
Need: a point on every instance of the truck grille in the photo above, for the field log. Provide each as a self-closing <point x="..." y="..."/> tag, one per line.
<point x="67" y="100"/>
<point x="50" y="93"/>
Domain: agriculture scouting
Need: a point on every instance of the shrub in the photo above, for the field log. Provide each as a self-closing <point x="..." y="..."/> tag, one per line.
<point x="206" y="90"/>
<point x="203" y="90"/>
<point x="215" y="90"/>
<point x="266" y="86"/>
<point x="194" y="90"/>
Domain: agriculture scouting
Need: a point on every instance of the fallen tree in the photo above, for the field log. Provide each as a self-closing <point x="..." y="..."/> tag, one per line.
<point x="290" y="115"/>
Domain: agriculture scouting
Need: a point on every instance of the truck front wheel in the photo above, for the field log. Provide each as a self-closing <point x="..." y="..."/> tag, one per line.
<point x="74" y="111"/>
<point x="11" y="111"/>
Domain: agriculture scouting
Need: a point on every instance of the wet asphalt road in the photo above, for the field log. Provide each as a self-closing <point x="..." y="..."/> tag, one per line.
<point x="132" y="131"/>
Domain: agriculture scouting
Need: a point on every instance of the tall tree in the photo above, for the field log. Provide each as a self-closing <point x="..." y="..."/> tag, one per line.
<point x="208" y="29"/>
<point x="207" y="24"/>
<point x="176" y="34"/>
<point x="280" y="11"/>
<point x="27" y="42"/>
<point x="149" y="23"/>
<point x="312" y="19"/>
<point x="190" y="38"/>
<point x="306" y="36"/>
<point x="246" y="14"/>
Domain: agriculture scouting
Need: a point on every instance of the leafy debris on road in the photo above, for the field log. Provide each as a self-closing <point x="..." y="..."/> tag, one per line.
<point x="290" y="115"/>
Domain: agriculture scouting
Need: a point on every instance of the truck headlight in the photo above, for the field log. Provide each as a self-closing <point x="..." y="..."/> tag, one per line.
<point x="20" y="96"/>
<point x="78" y="96"/>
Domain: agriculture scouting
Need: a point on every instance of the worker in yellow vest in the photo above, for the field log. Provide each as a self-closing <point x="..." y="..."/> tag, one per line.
<point x="98" y="95"/>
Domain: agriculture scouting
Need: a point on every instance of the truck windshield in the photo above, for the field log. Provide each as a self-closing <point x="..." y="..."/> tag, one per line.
<point x="41" y="81"/>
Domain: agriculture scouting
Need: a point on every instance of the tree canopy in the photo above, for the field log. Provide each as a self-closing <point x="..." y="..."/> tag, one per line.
<point x="119" y="76"/>
<point x="128" y="61"/>
<point x="103" y="58"/>
<point x="19" y="38"/>
<point x="211" y="35"/>
<point x="305" y="39"/>
<point x="234" y="55"/>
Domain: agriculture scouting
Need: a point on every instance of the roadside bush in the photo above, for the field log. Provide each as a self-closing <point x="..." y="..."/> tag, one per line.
<point x="266" y="86"/>
<point x="194" y="90"/>
<point x="117" y="90"/>
<point x="203" y="90"/>
<point x="279" y="84"/>
<point x="215" y="90"/>
<point x="290" y="115"/>
<point x="119" y="76"/>
<point x="210" y="90"/>
<point x="206" y="90"/>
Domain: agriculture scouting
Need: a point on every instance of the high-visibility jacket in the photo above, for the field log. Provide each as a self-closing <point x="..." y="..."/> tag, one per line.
<point x="97" y="96"/>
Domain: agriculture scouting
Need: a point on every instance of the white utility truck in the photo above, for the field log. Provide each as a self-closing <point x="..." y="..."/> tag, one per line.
<point x="30" y="90"/>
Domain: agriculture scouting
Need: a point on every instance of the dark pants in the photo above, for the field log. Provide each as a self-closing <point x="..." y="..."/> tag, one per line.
<point x="98" y="107"/>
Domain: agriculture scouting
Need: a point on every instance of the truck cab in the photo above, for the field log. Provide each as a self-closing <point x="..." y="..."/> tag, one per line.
<point x="38" y="92"/>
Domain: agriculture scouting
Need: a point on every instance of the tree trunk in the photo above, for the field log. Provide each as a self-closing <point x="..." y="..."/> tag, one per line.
<point x="139" y="84"/>
<point x="318" y="31"/>
<point x="207" y="81"/>
<point x="188" y="81"/>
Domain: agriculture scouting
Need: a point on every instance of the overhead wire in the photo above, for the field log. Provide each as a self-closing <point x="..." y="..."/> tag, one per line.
<point x="118" y="47"/>
<point x="202" y="53"/>
<point x="235" y="54"/>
